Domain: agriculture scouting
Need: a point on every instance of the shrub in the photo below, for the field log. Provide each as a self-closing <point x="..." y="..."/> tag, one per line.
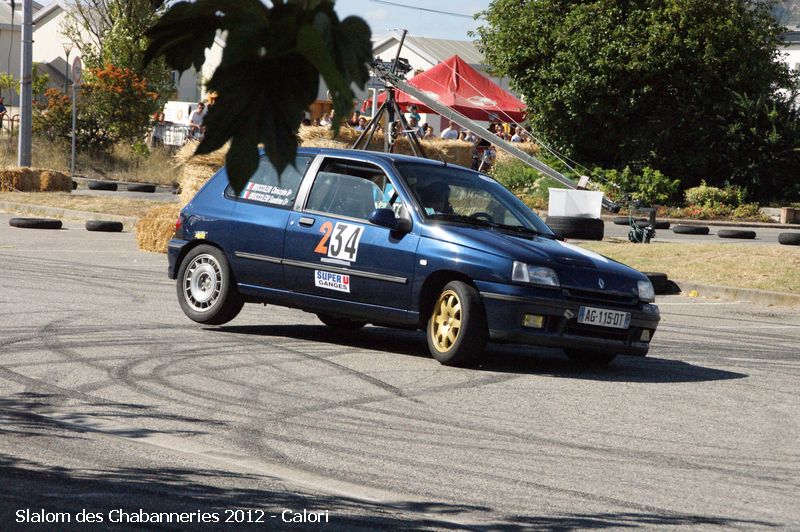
<point x="530" y="185"/>
<point x="707" y="195"/>
<point x="702" y="212"/>
<point x="750" y="211"/>
<point x="647" y="185"/>
<point x="114" y="106"/>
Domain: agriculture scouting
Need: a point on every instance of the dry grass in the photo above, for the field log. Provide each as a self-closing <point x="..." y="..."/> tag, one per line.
<point x="762" y="267"/>
<point x="156" y="227"/>
<point x="122" y="164"/>
<point x="65" y="200"/>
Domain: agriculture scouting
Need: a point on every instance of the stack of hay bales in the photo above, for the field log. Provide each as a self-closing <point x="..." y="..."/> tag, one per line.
<point x="154" y="230"/>
<point x="23" y="179"/>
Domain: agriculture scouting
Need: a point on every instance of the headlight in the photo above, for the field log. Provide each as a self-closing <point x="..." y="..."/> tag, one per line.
<point x="646" y="291"/>
<point x="525" y="273"/>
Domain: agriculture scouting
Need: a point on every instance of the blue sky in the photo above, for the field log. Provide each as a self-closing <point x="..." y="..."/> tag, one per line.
<point x="383" y="17"/>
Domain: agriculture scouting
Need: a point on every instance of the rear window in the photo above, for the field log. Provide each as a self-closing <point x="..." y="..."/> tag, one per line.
<point x="268" y="188"/>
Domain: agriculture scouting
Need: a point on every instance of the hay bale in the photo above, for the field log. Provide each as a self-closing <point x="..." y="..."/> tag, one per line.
<point x="156" y="228"/>
<point x="194" y="177"/>
<point x="20" y="179"/>
<point x="54" y="181"/>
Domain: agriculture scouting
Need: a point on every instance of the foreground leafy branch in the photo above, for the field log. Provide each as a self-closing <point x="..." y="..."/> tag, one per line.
<point x="270" y="70"/>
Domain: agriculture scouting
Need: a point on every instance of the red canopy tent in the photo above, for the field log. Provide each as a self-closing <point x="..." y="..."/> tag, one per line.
<point x="456" y="84"/>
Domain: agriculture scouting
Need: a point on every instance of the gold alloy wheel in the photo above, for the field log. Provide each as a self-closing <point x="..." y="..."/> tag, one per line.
<point x="446" y="321"/>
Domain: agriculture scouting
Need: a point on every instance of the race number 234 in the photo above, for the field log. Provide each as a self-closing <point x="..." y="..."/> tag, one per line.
<point x="339" y="241"/>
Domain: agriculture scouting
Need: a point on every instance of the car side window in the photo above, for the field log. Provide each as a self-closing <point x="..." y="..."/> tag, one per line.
<point x="350" y="188"/>
<point x="268" y="188"/>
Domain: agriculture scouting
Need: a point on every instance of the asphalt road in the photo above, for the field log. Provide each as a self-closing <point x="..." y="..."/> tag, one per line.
<point x="112" y="402"/>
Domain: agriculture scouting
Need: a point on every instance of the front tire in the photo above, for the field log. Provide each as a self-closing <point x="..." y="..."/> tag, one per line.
<point x="457" y="331"/>
<point x="590" y="359"/>
<point x="206" y="292"/>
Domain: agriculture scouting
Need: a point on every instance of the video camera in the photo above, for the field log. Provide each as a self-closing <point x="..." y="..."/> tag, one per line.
<point x="403" y="66"/>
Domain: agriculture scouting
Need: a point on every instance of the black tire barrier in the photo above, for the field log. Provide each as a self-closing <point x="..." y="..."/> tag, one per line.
<point x="661" y="283"/>
<point x="141" y="187"/>
<point x="690" y="229"/>
<point x="789" y="239"/>
<point x="35" y="223"/>
<point x="624" y="220"/>
<point x="577" y="227"/>
<point x="660" y="224"/>
<point x="74" y="184"/>
<point x="105" y="226"/>
<point x="102" y="185"/>
<point x="736" y="233"/>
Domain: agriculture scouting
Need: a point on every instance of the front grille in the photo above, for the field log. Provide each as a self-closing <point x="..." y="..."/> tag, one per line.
<point x="600" y="297"/>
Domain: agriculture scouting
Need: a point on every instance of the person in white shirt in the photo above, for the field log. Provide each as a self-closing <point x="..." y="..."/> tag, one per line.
<point x="451" y="132"/>
<point x="519" y="135"/>
<point x="196" y="121"/>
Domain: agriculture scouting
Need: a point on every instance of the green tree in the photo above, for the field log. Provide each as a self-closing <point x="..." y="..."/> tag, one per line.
<point x="113" y="32"/>
<point x="270" y="69"/>
<point x="652" y="83"/>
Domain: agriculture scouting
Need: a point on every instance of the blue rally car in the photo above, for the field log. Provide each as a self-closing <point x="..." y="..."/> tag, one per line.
<point x="362" y="237"/>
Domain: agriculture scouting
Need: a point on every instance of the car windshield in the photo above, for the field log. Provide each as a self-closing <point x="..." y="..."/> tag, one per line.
<point x="459" y="195"/>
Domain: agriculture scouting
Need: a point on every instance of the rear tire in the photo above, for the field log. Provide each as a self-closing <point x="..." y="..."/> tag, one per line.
<point x="341" y="324"/>
<point x="457" y="331"/>
<point x="206" y="291"/>
<point x="590" y="359"/>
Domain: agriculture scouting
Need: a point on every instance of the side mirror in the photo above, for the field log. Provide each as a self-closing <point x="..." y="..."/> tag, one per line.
<point x="386" y="218"/>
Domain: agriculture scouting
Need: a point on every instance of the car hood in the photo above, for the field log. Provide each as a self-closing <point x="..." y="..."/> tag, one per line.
<point x="576" y="267"/>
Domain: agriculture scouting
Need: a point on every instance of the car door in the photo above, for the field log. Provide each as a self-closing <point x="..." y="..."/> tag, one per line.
<point x="259" y="216"/>
<point x="332" y="253"/>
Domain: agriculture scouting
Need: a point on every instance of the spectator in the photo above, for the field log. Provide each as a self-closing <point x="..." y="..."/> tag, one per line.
<point x="196" y="128"/>
<point x="3" y="112"/>
<point x="353" y="122"/>
<point x="362" y="124"/>
<point x="159" y="129"/>
<point x="327" y="119"/>
<point x="306" y="122"/>
<point x="428" y="132"/>
<point x="451" y="132"/>
<point x="469" y="136"/>
<point x="412" y="113"/>
<point x="519" y="135"/>
<point x="414" y="126"/>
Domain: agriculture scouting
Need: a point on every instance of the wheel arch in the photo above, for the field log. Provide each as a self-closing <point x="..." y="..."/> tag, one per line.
<point x="192" y="244"/>
<point x="431" y="288"/>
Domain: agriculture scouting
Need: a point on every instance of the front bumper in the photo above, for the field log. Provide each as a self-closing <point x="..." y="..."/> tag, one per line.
<point x="506" y="307"/>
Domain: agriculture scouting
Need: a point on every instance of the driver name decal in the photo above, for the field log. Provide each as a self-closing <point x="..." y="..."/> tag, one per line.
<point x="332" y="281"/>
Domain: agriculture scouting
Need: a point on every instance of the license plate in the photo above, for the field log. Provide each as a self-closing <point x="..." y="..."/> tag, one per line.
<point x="604" y="317"/>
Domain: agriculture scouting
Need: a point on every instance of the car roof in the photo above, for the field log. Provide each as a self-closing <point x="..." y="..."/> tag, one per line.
<point x="374" y="156"/>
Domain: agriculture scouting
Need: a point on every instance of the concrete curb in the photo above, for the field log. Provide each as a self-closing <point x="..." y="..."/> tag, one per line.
<point x="128" y="222"/>
<point x="730" y="293"/>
